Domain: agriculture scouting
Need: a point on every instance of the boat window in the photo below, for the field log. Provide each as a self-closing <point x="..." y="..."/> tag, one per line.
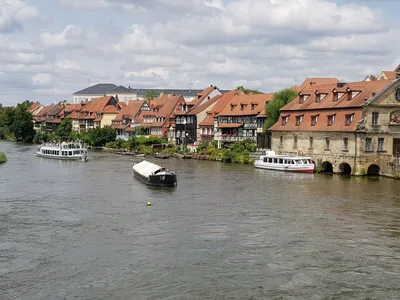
<point x="305" y="161"/>
<point x="265" y="159"/>
<point x="299" y="162"/>
<point x="275" y="160"/>
<point x="70" y="152"/>
<point x="281" y="161"/>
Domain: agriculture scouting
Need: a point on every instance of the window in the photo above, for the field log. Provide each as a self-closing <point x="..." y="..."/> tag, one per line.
<point x="243" y="106"/>
<point x="233" y="106"/>
<point x="335" y="96"/>
<point x="295" y="141"/>
<point x="281" y="141"/>
<point x="285" y="120"/>
<point x="349" y="119"/>
<point x="253" y="106"/>
<point x="368" y="144"/>
<point x="345" y="144"/>
<point x="331" y="120"/>
<point x="375" y="117"/>
<point x="317" y="97"/>
<point x="301" y="98"/>
<point x="314" y="120"/>
<point x="398" y="94"/>
<point x="311" y="141"/>
<point x="380" y="144"/>
<point x="327" y="142"/>
<point x="299" y="119"/>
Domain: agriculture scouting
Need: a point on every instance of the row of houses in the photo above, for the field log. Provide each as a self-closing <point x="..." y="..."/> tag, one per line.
<point x="351" y="127"/>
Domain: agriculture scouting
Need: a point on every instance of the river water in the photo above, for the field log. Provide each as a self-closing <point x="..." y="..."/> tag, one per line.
<point x="73" y="230"/>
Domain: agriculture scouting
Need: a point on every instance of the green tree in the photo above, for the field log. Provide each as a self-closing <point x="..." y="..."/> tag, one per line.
<point x="65" y="129"/>
<point x="151" y="95"/>
<point x="98" y="137"/>
<point x="133" y="143"/>
<point x="22" y="124"/>
<point x="247" y="91"/>
<point x="272" y="110"/>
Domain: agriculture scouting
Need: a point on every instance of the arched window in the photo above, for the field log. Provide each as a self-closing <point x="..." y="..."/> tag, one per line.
<point x="398" y="94"/>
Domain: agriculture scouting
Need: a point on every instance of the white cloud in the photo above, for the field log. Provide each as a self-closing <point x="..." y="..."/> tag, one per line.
<point x="264" y="45"/>
<point x="13" y="13"/>
<point x="42" y="79"/>
<point x="71" y="36"/>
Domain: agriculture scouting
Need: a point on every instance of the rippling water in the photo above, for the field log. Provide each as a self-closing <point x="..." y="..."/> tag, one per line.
<point x="73" y="230"/>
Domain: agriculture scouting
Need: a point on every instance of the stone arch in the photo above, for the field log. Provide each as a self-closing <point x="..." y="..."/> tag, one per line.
<point x="373" y="170"/>
<point x="327" y="167"/>
<point x="395" y="117"/>
<point x="345" y="168"/>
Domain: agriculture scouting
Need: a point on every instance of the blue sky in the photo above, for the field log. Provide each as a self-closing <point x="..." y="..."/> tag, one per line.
<point x="52" y="48"/>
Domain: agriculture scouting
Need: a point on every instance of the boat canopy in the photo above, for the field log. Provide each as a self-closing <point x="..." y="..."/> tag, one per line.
<point x="146" y="168"/>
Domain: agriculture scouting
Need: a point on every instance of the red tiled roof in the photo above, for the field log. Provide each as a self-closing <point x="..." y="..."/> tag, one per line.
<point x="102" y="105"/>
<point x="164" y="107"/>
<point x="246" y="105"/>
<point x="391" y="75"/>
<point x="364" y="89"/>
<point x="327" y="106"/>
<point x="35" y="106"/>
<point x="199" y="108"/>
<point x="201" y="96"/>
<point x="218" y="107"/>
<point x="131" y="110"/>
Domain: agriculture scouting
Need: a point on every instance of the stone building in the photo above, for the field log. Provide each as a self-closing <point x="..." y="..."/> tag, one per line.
<point x="378" y="132"/>
<point x="323" y="122"/>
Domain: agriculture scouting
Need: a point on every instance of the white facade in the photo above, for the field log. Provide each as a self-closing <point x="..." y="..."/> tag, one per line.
<point x="125" y="97"/>
<point x="82" y="98"/>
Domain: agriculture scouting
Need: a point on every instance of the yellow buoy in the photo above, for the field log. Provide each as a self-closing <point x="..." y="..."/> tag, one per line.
<point x="148" y="203"/>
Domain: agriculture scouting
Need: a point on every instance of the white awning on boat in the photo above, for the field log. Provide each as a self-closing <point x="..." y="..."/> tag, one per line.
<point x="146" y="168"/>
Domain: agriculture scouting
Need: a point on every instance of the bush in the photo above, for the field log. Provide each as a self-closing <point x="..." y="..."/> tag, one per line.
<point x="143" y="149"/>
<point x="3" y="158"/>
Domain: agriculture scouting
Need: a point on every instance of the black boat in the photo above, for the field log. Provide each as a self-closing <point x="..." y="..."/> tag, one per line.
<point x="154" y="175"/>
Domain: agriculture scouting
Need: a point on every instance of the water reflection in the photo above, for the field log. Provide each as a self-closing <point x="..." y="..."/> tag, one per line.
<point x="73" y="230"/>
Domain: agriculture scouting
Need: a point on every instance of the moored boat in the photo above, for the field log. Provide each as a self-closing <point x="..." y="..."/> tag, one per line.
<point x="63" y="151"/>
<point x="161" y="155"/>
<point x="154" y="175"/>
<point x="288" y="163"/>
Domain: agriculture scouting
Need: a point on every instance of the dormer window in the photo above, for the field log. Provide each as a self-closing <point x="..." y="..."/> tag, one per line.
<point x="349" y="94"/>
<point x="253" y="106"/>
<point x="299" y="119"/>
<point x="314" y="120"/>
<point x="349" y="119"/>
<point x="285" y="119"/>
<point x="233" y="106"/>
<point x="301" y="98"/>
<point x="331" y="120"/>
<point x="317" y="97"/>
<point x="243" y="106"/>
<point x="335" y="96"/>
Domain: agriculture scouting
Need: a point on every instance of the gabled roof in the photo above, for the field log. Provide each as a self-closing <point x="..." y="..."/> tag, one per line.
<point x="102" y="105"/>
<point x="373" y="99"/>
<point x="98" y="89"/>
<point x="131" y="110"/>
<point x="246" y="105"/>
<point x="35" y="106"/>
<point x="204" y="94"/>
<point x="120" y="90"/>
<point x="362" y="90"/>
<point x="199" y="108"/>
<point x="218" y="107"/>
<point x="164" y="106"/>
<point x="55" y="110"/>
<point x="310" y="81"/>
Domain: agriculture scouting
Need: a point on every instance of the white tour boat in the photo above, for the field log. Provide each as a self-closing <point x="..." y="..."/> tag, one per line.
<point x="63" y="150"/>
<point x="288" y="163"/>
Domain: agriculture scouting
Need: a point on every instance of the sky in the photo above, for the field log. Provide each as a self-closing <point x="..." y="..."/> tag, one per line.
<point x="50" y="49"/>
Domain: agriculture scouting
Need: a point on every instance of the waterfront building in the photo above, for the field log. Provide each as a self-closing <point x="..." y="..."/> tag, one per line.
<point x="378" y="132"/>
<point x="129" y="118"/>
<point x="54" y="116"/>
<point x="39" y="117"/>
<point x="92" y="92"/>
<point x="237" y="121"/>
<point x="159" y="118"/>
<point x="206" y="127"/>
<point x="184" y="126"/>
<point x="96" y="113"/>
<point x="322" y="122"/>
